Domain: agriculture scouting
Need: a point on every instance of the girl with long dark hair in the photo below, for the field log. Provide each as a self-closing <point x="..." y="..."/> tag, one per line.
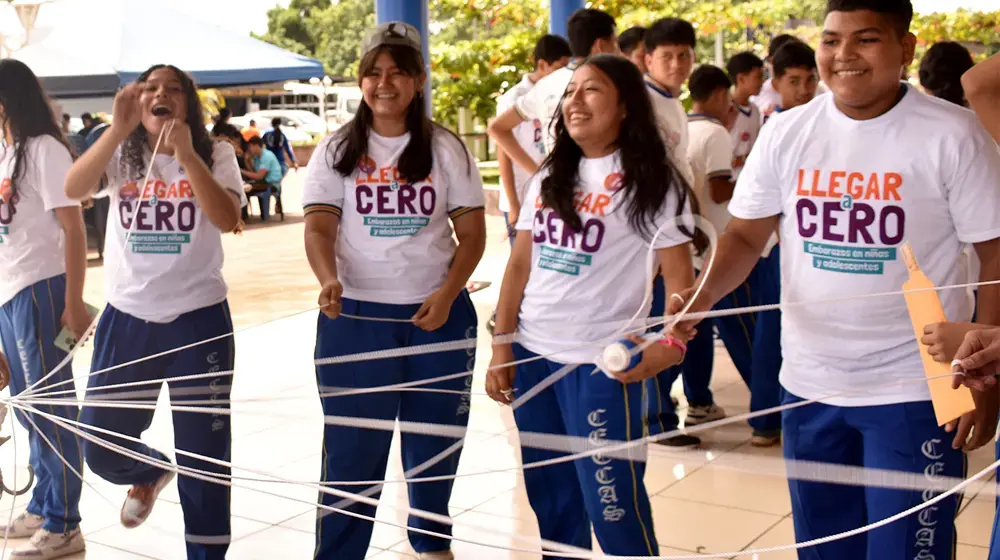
<point x="576" y="276"/>
<point x="43" y="264"/>
<point x="383" y="198"/>
<point x="164" y="289"/>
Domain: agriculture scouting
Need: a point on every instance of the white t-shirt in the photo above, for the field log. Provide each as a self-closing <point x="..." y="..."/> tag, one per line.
<point x="673" y="124"/>
<point x="542" y="101"/>
<point x="395" y="243"/>
<point x="744" y="134"/>
<point x="173" y="263"/>
<point x="529" y="136"/>
<point x="32" y="245"/>
<point x="710" y="152"/>
<point x="767" y="100"/>
<point x="584" y="287"/>
<point x="849" y="194"/>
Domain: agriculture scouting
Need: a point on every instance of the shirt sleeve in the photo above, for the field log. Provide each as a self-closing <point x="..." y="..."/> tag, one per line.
<point x="323" y="189"/>
<point x="226" y="170"/>
<point x="674" y="228"/>
<point x="506" y="101"/>
<point x="526" y="218"/>
<point x="465" y="184"/>
<point x="719" y="154"/>
<point x="758" y="190"/>
<point x="973" y="193"/>
<point x="51" y="163"/>
<point x="530" y="105"/>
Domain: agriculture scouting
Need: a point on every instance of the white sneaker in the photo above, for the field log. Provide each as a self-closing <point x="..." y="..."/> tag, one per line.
<point x="46" y="546"/>
<point x="441" y="555"/>
<point x="139" y="503"/>
<point x="23" y="526"/>
<point x="703" y="414"/>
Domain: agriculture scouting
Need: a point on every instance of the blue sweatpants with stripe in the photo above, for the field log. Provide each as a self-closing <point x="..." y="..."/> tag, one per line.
<point x="899" y="437"/>
<point x="29" y="324"/>
<point x="609" y="494"/>
<point x="122" y="338"/>
<point x="354" y="454"/>
<point x="752" y="340"/>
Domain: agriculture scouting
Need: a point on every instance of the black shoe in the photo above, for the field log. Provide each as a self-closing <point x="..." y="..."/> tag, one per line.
<point x="681" y="440"/>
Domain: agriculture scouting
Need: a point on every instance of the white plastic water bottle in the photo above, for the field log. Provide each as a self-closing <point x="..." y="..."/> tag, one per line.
<point x="618" y="357"/>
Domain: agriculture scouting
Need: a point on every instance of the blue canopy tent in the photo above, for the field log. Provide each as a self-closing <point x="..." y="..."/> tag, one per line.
<point x="89" y="48"/>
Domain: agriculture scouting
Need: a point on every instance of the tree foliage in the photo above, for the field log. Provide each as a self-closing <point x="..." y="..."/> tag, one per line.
<point x="480" y="48"/>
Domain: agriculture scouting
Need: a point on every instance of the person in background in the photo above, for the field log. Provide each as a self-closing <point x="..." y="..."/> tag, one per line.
<point x="251" y="131"/>
<point x="633" y="46"/>
<point x="265" y="175"/>
<point x="223" y="119"/>
<point x="768" y="98"/>
<point x="754" y="347"/>
<point x="43" y="259"/>
<point x="795" y="76"/>
<point x="590" y="32"/>
<point x="65" y="122"/>
<point x="941" y="71"/>
<point x="746" y="71"/>
<point x="89" y="122"/>
<point x="551" y="53"/>
<point x="278" y="144"/>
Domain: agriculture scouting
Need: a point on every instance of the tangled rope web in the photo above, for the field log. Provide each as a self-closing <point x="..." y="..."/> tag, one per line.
<point x="277" y="428"/>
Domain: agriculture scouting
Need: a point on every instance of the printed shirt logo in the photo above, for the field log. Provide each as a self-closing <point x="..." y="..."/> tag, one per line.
<point x="8" y="207"/>
<point x="388" y="204"/>
<point x="366" y="165"/>
<point x="539" y="138"/>
<point x="563" y="250"/>
<point x="850" y="222"/>
<point x="164" y="215"/>
<point x="614" y="182"/>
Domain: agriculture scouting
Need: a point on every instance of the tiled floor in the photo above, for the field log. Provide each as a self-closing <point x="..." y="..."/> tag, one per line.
<point x="725" y="497"/>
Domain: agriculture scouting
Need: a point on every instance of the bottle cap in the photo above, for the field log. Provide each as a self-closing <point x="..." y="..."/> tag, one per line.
<point x="616" y="357"/>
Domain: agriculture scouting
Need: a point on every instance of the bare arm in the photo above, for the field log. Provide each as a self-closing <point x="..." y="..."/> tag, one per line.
<point x="75" y="316"/>
<point x="721" y="189"/>
<point x="507" y="182"/>
<point x="85" y="175"/>
<point x="677" y="268"/>
<point x="470" y="229"/>
<point x="221" y="206"/>
<point x="502" y="132"/>
<point x="982" y="90"/>
<point x="738" y="251"/>
<point x="515" y="278"/>
<point x="321" y="243"/>
<point x="988" y="309"/>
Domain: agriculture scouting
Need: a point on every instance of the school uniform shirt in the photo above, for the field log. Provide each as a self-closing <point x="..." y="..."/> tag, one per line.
<point x="585" y="286"/>
<point x="528" y="135"/>
<point x="767" y="100"/>
<point x="744" y="134"/>
<point x="850" y="193"/>
<point x="395" y="243"/>
<point x="32" y="244"/>
<point x="671" y="120"/>
<point x="542" y="102"/>
<point x="710" y="153"/>
<point x="172" y="263"/>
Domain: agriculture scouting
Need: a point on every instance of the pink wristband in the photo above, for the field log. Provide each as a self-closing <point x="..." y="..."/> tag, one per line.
<point x="671" y="341"/>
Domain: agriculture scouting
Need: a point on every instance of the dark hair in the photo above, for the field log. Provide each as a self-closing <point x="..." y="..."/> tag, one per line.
<point x="778" y="42"/>
<point x="898" y="12"/>
<point x="227" y="130"/>
<point x="256" y="141"/>
<point x="670" y="31"/>
<point x="941" y="71"/>
<point x="793" y="55"/>
<point x="551" y="48"/>
<point x="706" y="80"/>
<point x="648" y="174"/>
<point x="224" y="114"/>
<point x="351" y="141"/>
<point x="26" y="110"/>
<point x="86" y="117"/>
<point x="743" y="63"/>
<point x="67" y="117"/>
<point x="585" y="27"/>
<point x="276" y="122"/>
<point x="253" y="122"/>
<point x="631" y="38"/>
<point x="133" y="162"/>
